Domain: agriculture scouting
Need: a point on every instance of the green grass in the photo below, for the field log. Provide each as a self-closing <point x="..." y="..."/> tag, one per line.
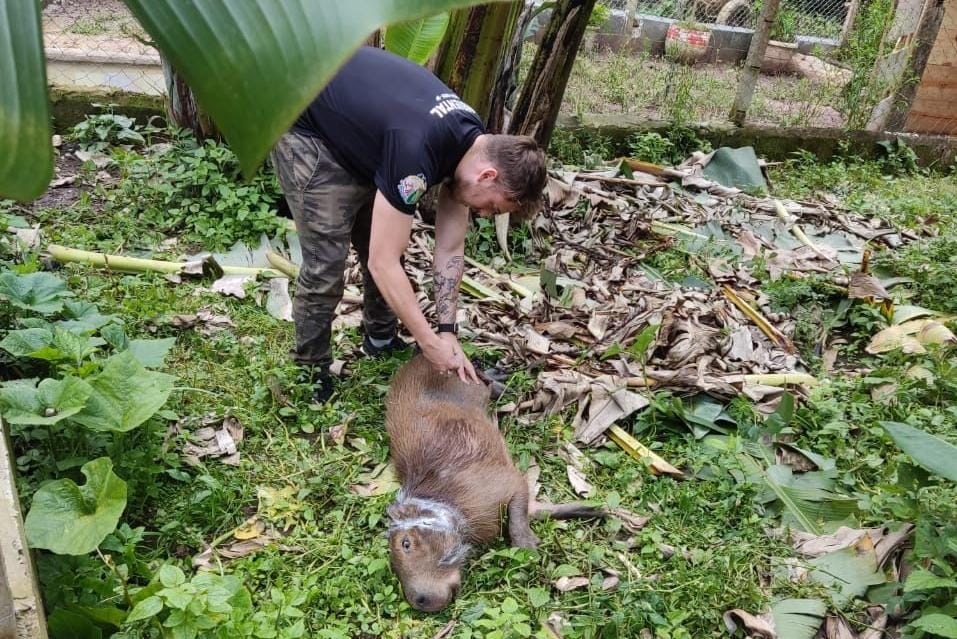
<point x="705" y="550"/>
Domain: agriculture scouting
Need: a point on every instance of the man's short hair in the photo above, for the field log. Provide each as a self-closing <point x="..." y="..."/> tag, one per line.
<point x="521" y="171"/>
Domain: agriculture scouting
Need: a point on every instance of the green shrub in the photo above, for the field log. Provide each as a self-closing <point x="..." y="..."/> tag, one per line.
<point x="196" y="189"/>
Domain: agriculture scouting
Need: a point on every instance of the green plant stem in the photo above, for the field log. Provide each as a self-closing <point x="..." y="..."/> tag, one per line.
<point x="139" y="265"/>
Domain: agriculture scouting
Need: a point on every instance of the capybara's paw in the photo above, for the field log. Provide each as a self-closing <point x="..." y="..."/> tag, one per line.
<point x="525" y="540"/>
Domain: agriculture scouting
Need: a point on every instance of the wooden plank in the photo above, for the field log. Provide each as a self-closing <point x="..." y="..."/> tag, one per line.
<point x="938" y="91"/>
<point x="940" y="108"/>
<point x="18" y="574"/>
<point x="930" y="125"/>
<point x="939" y="73"/>
<point x="945" y="48"/>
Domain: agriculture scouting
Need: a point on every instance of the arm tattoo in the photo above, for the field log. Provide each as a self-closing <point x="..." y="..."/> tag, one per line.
<point x="447" y="281"/>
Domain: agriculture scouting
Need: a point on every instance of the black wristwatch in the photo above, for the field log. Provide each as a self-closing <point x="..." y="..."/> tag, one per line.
<point x="449" y="328"/>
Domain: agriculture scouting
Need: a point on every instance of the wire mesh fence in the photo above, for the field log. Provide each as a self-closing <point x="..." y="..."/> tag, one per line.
<point x="829" y="62"/>
<point x="98" y="44"/>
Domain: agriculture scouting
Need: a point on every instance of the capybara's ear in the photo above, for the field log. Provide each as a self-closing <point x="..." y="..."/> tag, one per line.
<point x="397" y="511"/>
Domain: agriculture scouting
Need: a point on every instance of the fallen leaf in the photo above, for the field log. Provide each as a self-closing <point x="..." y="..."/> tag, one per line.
<point x="445" y="631"/>
<point x="233" y="285"/>
<point x="811" y="545"/>
<point x="212" y="323"/>
<point x="629" y="520"/>
<point x="563" y="330"/>
<point x="761" y="626"/>
<point x="380" y="481"/>
<point x="566" y="584"/>
<point x="935" y="333"/>
<point x="578" y="482"/>
<point x="250" y="530"/>
<point x="864" y="286"/>
<point x="610" y="582"/>
<point x="606" y="407"/>
<point x="597" y="325"/>
<point x="536" y="343"/>
<point x="98" y="158"/>
<point x="838" y="628"/>
<point x="221" y="443"/>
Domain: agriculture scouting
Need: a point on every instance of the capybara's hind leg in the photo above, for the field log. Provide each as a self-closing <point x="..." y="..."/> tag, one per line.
<point x="519" y="532"/>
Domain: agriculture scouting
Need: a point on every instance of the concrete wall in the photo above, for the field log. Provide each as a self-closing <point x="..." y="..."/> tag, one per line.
<point x="770" y="142"/>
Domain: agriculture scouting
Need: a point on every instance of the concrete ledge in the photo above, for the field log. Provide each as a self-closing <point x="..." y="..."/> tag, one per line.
<point x="70" y="106"/>
<point x="19" y="592"/>
<point x="771" y="142"/>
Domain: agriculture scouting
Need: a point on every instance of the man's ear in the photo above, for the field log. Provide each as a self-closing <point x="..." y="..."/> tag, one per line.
<point x="488" y="174"/>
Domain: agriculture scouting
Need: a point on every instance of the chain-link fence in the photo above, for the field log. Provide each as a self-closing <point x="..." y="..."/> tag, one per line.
<point x="98" y="43"/>
<point x="828" y="63"/>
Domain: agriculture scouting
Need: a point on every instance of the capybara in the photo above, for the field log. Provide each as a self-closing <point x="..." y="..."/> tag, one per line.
<point x="456" y="476"/>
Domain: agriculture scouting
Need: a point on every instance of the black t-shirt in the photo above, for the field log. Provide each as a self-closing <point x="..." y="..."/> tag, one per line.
<point x="390" y="122"/>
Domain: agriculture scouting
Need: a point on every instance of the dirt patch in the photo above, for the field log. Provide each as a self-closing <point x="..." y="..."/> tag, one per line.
<point x="657" y="89"/>
<point x="88" y="25"/>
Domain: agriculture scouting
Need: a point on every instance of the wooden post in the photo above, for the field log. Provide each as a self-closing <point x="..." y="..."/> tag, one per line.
<point x="19" y="590"/>
<point x="752" y="67"/>
<point x="541" y="96"/>
<point x="925" y="37"/>
<point x="852" y="10"/>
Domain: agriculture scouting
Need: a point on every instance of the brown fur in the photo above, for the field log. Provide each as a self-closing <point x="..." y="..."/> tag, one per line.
<point x="446" y="449"/>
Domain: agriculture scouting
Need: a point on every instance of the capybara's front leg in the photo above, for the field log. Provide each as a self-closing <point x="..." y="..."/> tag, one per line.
<point x="519" y="532"/>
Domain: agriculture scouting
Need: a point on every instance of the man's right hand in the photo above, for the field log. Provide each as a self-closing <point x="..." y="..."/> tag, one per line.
<point x="447" y="357"/>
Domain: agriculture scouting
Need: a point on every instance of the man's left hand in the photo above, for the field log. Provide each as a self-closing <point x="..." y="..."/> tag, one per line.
<point x="465" y="370"/>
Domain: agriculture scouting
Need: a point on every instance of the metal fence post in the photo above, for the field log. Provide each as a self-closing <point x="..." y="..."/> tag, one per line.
<point x="752" y="66"/>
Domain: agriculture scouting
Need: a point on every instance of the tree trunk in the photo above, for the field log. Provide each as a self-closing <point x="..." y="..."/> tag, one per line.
<point x="541" y="95"/>
<point x="183" y="110"/>
<point x="752" y="67"/>
<point x="507" y="81"/>
<point x="470" y="56"/>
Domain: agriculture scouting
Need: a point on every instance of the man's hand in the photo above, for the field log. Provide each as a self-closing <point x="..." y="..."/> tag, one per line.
<point x="446" y="355"/>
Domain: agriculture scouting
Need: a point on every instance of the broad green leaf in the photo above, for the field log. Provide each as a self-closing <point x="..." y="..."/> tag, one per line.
<point x="24" y="402"/>
<point x="798" y="618"/>
<point x="937" y="624"/>
<point x="538" y="597"/>
<point x="83" y="317"/>
<point x="808" y="499"/>
<point x="72" y="520"/>
<point x="26" y="154"/>
<point x="922" y="579"/>
<point x="115" y="336"/>
<point x="110" y="615"/>
<point x="255" y="66"/>
<point x="68" y="345"/>
<point x="417" y="39"/>
<point x="171" y="576"/>
<point x="40" y="292"/>
<point x="847" y="573"/>
<point x="149" y="607"/>
<point x="929" y="451"/>
<point x="124" y="395"/>
<point x="151" y="353"/>
<point x="67" y="624"/>
<point x="23" y="342"/>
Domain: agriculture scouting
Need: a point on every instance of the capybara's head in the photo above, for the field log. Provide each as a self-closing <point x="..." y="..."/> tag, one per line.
<point x="427" y="549"/>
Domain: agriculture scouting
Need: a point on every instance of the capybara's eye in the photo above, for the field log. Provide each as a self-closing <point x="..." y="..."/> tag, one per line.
<point x="406" y="544"/>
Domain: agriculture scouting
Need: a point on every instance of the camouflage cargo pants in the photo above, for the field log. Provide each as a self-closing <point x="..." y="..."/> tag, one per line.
<point x="331" y="209"/>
